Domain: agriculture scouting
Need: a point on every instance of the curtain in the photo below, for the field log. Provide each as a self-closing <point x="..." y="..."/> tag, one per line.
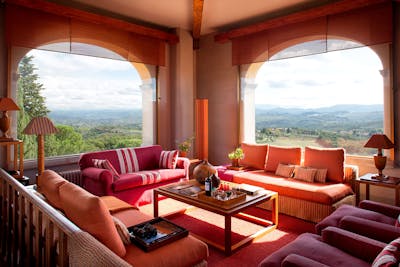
<point x="40" y="30"/>
<point x="361" y="27"/>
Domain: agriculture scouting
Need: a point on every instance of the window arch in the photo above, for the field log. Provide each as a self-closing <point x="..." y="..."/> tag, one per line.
<point x="140" y="105"/>
<point x="250" y="85"/>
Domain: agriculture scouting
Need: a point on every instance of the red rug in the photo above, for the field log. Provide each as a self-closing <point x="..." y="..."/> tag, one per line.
<point x="210" y="225"/>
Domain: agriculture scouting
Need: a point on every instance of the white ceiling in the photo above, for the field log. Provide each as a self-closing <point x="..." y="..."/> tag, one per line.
<point x="218" y="15"/>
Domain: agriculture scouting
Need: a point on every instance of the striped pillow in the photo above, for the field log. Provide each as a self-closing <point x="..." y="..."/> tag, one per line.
<point x="304" y="174"/>
<point x="168" y="159"/>
<point x="320" y="175"/>
<point x="122" y="231"/>
<point x="285" y="170"/>
<point x="389" y="256"/>
<point x="105" y="164"/>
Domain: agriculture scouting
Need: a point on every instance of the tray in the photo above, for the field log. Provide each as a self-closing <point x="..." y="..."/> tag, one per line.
<point x="240" y="197"/>
<point x="167" y="232"/>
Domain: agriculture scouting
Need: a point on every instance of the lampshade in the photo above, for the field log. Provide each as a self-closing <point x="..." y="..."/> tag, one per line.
<point x="379" y="141"/>
<point x="7" y="104"/>
<point x="40" y="126"/>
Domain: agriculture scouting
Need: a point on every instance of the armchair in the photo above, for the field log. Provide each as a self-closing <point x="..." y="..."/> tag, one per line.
<point x="335" y="247"/>
<point x="371" y="219"/>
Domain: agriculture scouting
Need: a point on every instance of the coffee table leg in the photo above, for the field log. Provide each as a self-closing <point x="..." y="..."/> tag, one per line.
<point x="228" y="235"/>
<point x="275" y="210"/>
<point x="155" y="203"/>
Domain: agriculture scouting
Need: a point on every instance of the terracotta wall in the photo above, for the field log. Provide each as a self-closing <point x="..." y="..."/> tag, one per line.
<point x="3" y="72"/>
<point x="217" y="80"/>
<point x="396" y="79"/>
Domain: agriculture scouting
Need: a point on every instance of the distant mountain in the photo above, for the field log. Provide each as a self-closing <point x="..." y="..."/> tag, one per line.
<point x="96" y="117"/>
<point x="338" y="117"/>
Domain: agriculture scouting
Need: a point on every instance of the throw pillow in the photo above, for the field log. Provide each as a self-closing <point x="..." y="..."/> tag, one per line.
<point x="90" y="214"/>
<point x="277" y="154"/>
<point x="168" y="159"/>
<point x="320" y="175"/>
<point x="106" y="164"/>
<point x="389" y="256"/>
<point x="285" y="170"/>
<point x="330" y="158"/>
<point x="304" y="174"/>
<point x="254" y="155"/>
<point x="122" y="231"/>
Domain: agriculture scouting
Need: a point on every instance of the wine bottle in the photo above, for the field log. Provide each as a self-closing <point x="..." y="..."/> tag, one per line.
<point x="208" y="185"/>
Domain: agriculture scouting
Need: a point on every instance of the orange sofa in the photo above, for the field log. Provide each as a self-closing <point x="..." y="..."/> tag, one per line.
<point x="311" y="184"/>
<point x="99" y="218"/>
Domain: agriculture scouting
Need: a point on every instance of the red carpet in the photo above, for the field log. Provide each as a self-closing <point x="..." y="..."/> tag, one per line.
<point x="211" y="225"/>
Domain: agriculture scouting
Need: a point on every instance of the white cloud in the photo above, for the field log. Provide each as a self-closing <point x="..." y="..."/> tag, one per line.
<point x="82" y="82"/>
<point x="342" y="77"/>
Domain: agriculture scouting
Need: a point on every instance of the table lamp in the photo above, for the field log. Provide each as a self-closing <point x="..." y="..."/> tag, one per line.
<point x="379" y="141"/>
<point x="40" y="126"/>
<point x="6" y="104"/>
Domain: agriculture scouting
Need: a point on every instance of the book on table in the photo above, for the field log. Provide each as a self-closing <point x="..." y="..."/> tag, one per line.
<point x="249" y="189"/>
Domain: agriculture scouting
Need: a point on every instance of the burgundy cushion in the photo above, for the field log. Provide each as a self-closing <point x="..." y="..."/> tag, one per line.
<point x="337" y="215"/>
<point x="310" y="246"/>
<point x="131" y="180"/>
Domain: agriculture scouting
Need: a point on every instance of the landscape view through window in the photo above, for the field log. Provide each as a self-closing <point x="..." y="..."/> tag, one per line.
<point x="332" y="99"/>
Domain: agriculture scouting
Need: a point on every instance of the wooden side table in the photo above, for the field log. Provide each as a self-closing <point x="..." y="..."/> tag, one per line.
<point x="18" y="156"/>
<point x="367" y="179"/>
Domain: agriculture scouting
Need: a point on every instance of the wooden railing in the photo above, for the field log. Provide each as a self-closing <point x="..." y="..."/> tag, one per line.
<point x="33" y="233"/>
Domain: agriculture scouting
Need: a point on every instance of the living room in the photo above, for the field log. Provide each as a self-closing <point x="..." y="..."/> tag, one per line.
<point x="210" y="72"/>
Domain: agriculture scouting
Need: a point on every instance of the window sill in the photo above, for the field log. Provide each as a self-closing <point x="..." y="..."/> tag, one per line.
<point x="53" y="161"/>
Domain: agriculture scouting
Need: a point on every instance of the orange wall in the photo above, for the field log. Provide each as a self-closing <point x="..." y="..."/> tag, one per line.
<point x="217" y="81"/>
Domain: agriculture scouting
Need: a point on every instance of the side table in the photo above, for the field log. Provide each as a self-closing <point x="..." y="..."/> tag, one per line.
<point x="17" y="161"/>
<point x="367" y="179"/>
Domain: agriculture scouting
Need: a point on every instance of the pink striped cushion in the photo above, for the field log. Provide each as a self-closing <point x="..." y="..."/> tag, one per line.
<point x="168" y="159"/>
<point x="105" y="164"/>
<point x="304" y="174"/>
<point x="389" y="256"/>
<point x="320" y="175"/>
<point x="285" y="170"/>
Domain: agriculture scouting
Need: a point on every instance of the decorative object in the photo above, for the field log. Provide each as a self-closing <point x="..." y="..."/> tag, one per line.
<point x="6" y="104"/>
<point x="203" y="170"/>
<point x="40" y="126"/>
<point x="215" y="181"/>
<point x="185" y="146"/>
<point x="236" y="156"/>
<point x="379" y="141"/>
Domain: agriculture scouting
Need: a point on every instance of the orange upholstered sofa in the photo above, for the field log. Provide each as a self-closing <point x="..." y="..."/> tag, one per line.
<point x="310" y="183"/>
<point x="95" y="228"/>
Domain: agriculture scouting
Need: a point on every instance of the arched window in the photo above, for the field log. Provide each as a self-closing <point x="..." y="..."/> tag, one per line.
<point x="96" y="103"/>
<point x="334" y="99"/>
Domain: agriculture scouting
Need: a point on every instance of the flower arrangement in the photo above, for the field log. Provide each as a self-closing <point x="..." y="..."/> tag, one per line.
<point x="186" y="144"/>
<point x="236" y="154"/>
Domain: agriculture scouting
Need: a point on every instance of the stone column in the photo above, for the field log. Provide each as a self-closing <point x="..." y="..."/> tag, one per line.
<point x="247" y="110"/>
<point x="148" y="111"/>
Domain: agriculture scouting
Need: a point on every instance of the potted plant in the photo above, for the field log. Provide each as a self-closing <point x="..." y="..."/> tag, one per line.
<point x="236" y="156"/>
<point x="185" y="146"/>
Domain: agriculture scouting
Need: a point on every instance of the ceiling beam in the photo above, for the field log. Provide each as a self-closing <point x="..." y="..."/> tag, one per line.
<point x="74" y="13"/>
<point x="313" y="13"/>
<point x="197" y="18"/>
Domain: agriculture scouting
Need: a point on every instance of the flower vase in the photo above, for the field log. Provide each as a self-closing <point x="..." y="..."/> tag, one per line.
<point x="182" y="154"/>
<point x="235" y="162"/>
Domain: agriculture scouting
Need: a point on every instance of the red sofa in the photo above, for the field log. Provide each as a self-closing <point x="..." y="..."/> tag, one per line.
<point x="335" y="247"/>
<point x="137" y="172"/>
<point x="307" y="197"/>
<point x="372" y="219"/>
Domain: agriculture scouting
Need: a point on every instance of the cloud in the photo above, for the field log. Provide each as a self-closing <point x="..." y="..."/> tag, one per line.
<point x="81" y="82"/>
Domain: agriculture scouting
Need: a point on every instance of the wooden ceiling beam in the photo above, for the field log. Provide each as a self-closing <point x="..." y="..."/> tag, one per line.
<point x="197" y="19"/>
<point x="74" y="13"/>
<point x="313" y="13"/>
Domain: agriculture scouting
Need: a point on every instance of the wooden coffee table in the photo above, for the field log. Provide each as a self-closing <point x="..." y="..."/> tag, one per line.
<point x="225" y="210"/>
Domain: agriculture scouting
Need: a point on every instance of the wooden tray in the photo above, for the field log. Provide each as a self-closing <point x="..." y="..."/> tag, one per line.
<point x="167" y="232"/>
<point x="240" y="197"/>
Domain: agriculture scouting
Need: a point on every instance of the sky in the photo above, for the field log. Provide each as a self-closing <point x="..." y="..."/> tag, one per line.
<point x="343" y="77"/>
<point x="83" y="82"/>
